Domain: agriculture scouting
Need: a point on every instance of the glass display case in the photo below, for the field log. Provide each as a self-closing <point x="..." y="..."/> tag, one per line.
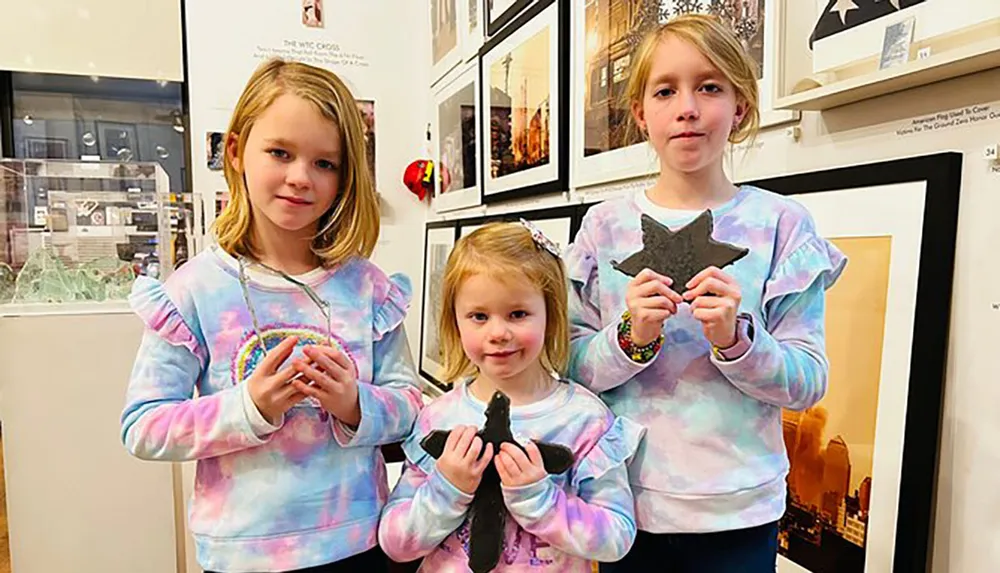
<point x="76" y="232"/>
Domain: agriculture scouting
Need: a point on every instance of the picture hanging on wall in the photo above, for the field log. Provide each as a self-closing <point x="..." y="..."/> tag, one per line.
<point x="439" y="240"/>
<point x="524" y="79"/>
<point x="499" y="13"/>
<point x="607" y="35"/>
<point x="312" y="13"/>
<point x="863" y="460"/>
<point x="445" y="52"/>
<point x="455" y="140"/>
<point x="367" y="109"/>
<point x="215" y="152"/>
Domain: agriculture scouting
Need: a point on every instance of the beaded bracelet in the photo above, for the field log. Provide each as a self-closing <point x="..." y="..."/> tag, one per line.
<point x="640" y="354"/>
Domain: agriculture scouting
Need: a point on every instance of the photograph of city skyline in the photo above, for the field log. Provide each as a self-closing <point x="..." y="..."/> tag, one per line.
<point x="831" y="445"/>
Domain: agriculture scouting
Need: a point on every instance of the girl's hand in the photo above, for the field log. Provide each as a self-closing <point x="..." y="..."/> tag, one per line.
<point x="715" y="302"/>
<point x="334" y="382"/>
<point x="517" y="468"/>
<point x="460" y="463"/>
<point x="651" y="302"/>
<point x="269" y="387"/>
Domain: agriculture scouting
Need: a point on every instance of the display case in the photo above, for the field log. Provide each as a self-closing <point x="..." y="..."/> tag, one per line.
<point x="78" y="233"/>
<point x="836" y="52"/>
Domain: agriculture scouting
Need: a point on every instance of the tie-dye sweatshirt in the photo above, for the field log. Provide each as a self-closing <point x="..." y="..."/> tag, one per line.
<point x="714" y="457"/>
<point x="557" y="524"/>
<point x="308" y="490"/>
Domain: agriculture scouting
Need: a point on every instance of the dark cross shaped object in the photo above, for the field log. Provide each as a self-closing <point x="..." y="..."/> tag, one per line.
<point x="488" y="513"/>
<point x="682" y="254"/>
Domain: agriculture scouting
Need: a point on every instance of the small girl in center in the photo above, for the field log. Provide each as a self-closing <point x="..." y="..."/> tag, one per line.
<point x="504" y="328"/>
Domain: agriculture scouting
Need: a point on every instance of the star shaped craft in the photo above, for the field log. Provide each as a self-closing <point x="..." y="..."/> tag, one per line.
<point x="682" y="254"/>
<point x="487" y="514"/>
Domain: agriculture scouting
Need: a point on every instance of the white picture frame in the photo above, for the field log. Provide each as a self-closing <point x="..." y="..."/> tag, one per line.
<point x="536" y="47"/>
<point x="458" y="90"/>
<point x="446" y="51"/>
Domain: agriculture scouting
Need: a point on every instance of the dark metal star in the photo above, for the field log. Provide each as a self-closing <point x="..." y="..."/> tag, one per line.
<point x="682" y="254"/>
<point x="488" y="513"/>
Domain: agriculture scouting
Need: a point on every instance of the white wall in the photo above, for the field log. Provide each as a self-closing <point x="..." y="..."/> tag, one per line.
<point x="133" y="39"/>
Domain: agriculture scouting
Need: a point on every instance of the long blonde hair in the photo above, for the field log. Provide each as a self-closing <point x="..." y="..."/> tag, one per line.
<point x="507" y="253"/>
<point x="718" y="44"/>
<point x="351" y="226"/>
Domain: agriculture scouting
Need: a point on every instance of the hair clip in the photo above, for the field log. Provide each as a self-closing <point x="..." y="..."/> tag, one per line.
<point x="540" y="239"/>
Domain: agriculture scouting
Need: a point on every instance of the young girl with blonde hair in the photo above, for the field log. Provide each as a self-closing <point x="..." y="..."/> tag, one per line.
<point x="504" y="329"/>
<point x="707" y="366"/>
<point x="277" y="359"/>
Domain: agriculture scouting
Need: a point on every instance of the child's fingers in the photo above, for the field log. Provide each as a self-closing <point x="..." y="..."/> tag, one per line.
<point x="516" y="455"/>
<point x="709" y="314"/>
<point x="504" y="466"/>
<point x="473" y="452"/>
<point x="278" y="354"/>
<point x="453" y="436"/>
<point x="305" y="389"/>
<point x="464" y="441"/>
<point x="480" y="466"/>
<point x="325" y="358"/>
<point x="534" y="454"/>
<point x="712" y="285"/>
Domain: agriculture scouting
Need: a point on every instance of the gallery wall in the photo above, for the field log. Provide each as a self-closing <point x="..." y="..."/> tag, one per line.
<point x="960" y="114"/>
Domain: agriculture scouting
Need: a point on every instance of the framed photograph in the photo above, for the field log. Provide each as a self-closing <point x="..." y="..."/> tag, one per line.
<point x="439" y="240"/>
<point x="864" y="459"/>
<point x="312" y="13"/>
<point x="367" y="109"/>
<point x="46" y="147"/>
<point x="525" y="127"/>
<point x="499" y="13"/>
<point x="558" y="224"/>
<point x="118" y="141"/>
<point x="606" y="147"/>
<point x="455" y="140"/>
<point x="445" y="52"/>
<point x="215" y="150"/>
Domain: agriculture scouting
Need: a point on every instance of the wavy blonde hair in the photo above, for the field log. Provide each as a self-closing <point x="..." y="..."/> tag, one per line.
<point x="351" y="226"/>
<point x="507" y="253"/>
<point x="718" y="44"/>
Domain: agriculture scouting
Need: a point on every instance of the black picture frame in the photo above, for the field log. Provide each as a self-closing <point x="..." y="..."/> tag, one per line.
<point x="542" y="185"/>
<point x="942" y="175"/>
<point x="424" y="366"/>
<point x="496" y="22"/>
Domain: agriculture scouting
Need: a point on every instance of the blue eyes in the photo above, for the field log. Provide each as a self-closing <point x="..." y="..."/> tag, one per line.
<point x="324" y="164"/>
<point x="710" y="88"/>
<point x="482" y="317"/>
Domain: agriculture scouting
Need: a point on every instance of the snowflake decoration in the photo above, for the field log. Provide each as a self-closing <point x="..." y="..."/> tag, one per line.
<point x="686" y="7"/>
<point x="724" y="9"/>
<point x="745" y="29"/>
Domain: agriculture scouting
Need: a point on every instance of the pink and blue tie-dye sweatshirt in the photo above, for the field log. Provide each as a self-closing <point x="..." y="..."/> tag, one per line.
<point x="557" y="524"/>
<point x="714" y="457"/>
<point x="308" y="490"/>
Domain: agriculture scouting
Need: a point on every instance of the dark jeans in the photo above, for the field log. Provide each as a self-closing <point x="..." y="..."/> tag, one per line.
<point x="371" y="561"/>
<point x="753" y="550"/>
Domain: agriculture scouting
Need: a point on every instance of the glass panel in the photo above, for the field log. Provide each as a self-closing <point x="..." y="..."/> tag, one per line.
<point x="100" y="118"/>
<point x="100" y="226"/>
